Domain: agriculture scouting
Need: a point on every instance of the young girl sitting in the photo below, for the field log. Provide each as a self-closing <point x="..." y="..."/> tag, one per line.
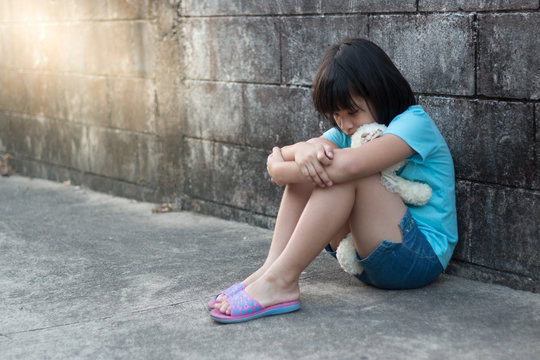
<point x="333" y="189"/>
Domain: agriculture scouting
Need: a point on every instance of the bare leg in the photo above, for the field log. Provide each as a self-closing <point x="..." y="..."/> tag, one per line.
<point x="292" y="204"/>
<point x="336" y="239"/>
<point x="322" y="218"/>
<point x="375" y="216"/>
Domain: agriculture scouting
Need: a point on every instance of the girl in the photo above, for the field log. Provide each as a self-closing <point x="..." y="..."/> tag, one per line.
<point x="332" y="189"/>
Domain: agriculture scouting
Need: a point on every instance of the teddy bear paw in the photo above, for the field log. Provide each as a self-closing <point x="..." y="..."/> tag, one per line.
<point x="346" y="255"/>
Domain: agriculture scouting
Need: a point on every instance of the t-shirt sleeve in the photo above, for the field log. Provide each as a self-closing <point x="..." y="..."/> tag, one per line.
<point x="337" y="137"/>
<point x="417" y="129"/>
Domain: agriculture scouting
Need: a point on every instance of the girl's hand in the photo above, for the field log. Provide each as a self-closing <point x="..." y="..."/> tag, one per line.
<point x="273" y="158"/>
<point x="311" y="159"/>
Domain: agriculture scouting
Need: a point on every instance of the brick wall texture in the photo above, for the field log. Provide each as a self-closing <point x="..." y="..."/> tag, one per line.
<point x="181" y="101"/>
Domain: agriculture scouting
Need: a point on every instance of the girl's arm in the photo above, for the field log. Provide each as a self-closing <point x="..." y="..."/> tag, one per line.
<point x="283" y="172"/>
<point x="312" y="157"/>
<point x="368" y="159"/>
<point x="347" y="164"/>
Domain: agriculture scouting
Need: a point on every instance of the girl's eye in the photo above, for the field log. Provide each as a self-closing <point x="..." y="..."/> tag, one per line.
<point x="352" y="112"/>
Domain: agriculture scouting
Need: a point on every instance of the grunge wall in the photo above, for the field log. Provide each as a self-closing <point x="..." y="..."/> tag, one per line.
<point x="181" y="101"/>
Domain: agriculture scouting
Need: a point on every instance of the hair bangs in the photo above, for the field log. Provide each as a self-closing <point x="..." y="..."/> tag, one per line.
<point x="333" y="91"/>
<point x="359" y="68"/>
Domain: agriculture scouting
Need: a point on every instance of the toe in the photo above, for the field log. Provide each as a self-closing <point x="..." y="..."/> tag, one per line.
<point x="225" y="308"/>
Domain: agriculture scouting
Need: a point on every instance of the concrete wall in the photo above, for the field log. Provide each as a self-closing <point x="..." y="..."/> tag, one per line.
<point x="89" y="92"/>
<point x="181" y="101"/>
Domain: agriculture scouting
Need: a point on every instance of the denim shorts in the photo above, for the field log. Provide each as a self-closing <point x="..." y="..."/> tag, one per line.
<point x="406" y="265"/>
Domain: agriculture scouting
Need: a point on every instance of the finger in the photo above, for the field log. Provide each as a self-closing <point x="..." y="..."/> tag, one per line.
<point x="321" y="154"/>
<point x="324" y="178"/>
<point x="325" y="161"/>
<point x="315" y="176"/>
<point x="306" y="174"/>
<point x="329" y="151"/>
<point x="323" y="175"/>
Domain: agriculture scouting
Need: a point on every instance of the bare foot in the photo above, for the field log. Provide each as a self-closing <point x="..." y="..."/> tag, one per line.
<point x="249" y="280"/>
<point x="268" y="290"/>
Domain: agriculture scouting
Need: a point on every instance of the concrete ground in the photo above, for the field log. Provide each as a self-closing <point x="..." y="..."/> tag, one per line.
<point x="92" y="276"/>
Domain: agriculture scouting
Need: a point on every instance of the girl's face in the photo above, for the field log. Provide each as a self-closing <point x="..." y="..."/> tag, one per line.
<point x="349" y="120"/>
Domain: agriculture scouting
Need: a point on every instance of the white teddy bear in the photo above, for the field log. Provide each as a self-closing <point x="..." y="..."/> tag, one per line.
<point x="413" y="193"/>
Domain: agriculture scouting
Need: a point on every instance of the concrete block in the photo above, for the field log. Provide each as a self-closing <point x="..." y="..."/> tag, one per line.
<point x="368" y="6"/>
<point x="120" y="48"/>
<point x="4" y="128"/>
<point x="7" y="137"/>
<point x="65" y="144"/>
<point x="229" y="175"/>
<point x="504" y="234"/>
<point x="242" y="180"/>
<point x="210" y="7"/>
<point x="492" y="276"/>
<point x="231" y="49"/>
<point x="7" y="40"/>
<point x="7" y="133"/>
<point x="476" y="5"/>
<point x="167" y="79"/>
<point x="130" y="9"/>
<point x="83" y="99"/>
<point x="214" y="111"/>
<point x="48" y="140"/>
<point x="5" y="93"/>
<point x="464" y="211"/>
<point x="278" y="116"/>
<point x="148" y="159"/>
<point x="30" y="46"/>
<point x="490" y="141"/>
<point x="199" y="169"/>
<point x="303" y="48"/>
<point x="114" y="153"/>
<point x="75" y="98"/>
<point x="271" y="7"/>
<point x="5" y="12"/>
<point x="293" y="7"/>
<point x="14" y="92"/>
<point x="131" y="103"/>
<point x="68" y="97"/>
<point x="239" y="7"/>
<point x="536" y="177"/>
<point x="434" y="52"/>
<point x="167" y="19"/>
<point x="58" y="10"/>
<point x="61" y="47"/>
<point x="25" y="136"/>
<point x="168" y="100"/>
<point x="508" y="48"/>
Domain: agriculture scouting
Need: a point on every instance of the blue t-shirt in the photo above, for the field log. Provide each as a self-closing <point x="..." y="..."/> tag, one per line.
<point x="431" y="164"/>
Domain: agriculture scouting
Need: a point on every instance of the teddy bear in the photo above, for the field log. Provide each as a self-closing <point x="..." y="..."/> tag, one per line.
<point x="411" y="192"/>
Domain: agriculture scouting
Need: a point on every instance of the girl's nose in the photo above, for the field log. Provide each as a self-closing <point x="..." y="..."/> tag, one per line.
<point x="347" y="126"/>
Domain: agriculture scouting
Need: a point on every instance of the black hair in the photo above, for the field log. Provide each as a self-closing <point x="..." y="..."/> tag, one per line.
<point x="358" y="67"/>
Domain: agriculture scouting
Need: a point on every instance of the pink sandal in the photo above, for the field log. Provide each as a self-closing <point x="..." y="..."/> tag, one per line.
<point x="244" y="308"/>
<point x="229" y="292"/>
